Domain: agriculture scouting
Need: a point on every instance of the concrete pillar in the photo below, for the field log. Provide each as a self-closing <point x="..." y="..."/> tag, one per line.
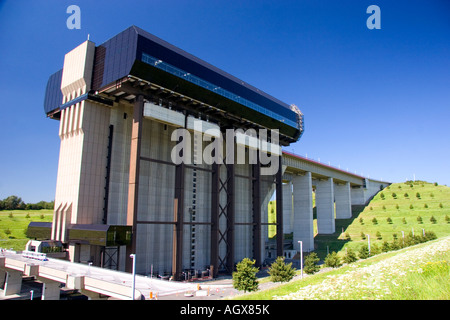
<point x="50" y="290"/>
<point x="303" y="212"/>
<point x="325" y="206"/>
<point x="343" y="201"/>
<point x="287" y="208"/>
<point x="13" y="282"/>
<point x="357" y="196"/>
<point x="2" y="278"/>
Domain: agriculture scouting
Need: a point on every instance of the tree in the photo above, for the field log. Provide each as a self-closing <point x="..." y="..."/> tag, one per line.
<point x="378" y="235"/>
<point x="385" y="246"/>
<point x="389" y="220"/>
<point x="279" y="271"/>
<point x="433" y="219"/>
<point x="244" y="278"/>
<point x="363" y="252"/>
<point x="374" y="221"/>
<point x="350" y="256"/>
<point x="310" y="265"/>
<point x="332" y="260"/>
<point x="419" y="219"/>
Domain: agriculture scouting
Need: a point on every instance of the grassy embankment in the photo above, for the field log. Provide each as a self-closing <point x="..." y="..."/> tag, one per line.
<point x="407" y="207"/>
<point x="13" y="225"/>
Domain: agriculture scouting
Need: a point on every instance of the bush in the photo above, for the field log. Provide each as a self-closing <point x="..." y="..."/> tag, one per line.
<point x="382" y="196"/>
<point x="406" y="195"/>
<point x="419" y="219"/>
<point x="350" y="256"/>
<point x="440" y="205"/>
<point x="363" y="252"/>
<point x="374" y="221"/>
<point x="279" y="271"/>
<point x="378" y="235"/>
<point x="347" y="236"/>
<point x="433" y="219"/>
<point x="363" y="236"/>
<point x="361" y="220"/>
<point x="244" y="278"/>
<point x="418" y="195"/>
<point x="411" y="206"/>
<point x="332" y="260"/>
<point x="310" y="265"/>
<point x="389" y="220"/>
<point x="394" y="195"/>
<point x="447" y="219"/>
<point x="404" y="220"/>
<point x="385" y="247"/>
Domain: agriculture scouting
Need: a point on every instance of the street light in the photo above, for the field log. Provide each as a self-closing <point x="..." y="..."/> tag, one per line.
<point x="133" y="256"/>
<point x="301" y="258"/>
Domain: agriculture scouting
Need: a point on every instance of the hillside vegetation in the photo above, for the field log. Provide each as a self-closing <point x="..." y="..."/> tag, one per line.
<point x="411" y="207"/>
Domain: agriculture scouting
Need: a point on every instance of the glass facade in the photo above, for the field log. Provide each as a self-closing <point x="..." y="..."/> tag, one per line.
<point x="209" y="86"/>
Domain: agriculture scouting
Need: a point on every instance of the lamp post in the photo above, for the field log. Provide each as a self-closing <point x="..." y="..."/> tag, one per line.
<point x="301" y="258"/>
<point x="133" y="285"/>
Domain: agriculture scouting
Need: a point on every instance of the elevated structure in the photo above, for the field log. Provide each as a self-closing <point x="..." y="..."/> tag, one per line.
<point x="121" y="106"/>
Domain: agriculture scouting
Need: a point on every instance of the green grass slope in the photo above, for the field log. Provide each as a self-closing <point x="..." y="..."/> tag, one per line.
<point x="419" y="272"/>
<point x="13" y="225"/>
<point x="403" y="204"/>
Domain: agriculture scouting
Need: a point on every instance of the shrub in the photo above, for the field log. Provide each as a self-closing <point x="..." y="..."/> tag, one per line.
<point x="404" y="220"/>
<point x="310" y="265"/>
<point x="406" y="195"/>
<point x="244" y="278"/>
<point x="361" y="220"/>
<point x="350" y="256"/>
<point x="279" y="271"/>
<point x="411" y="206"/>
<point x="447" y="219"/>
<point x="378" y="235"/>
<point x="384" y="207"/>
<point x="363" y="252"/>
<point x="435" y="184"/>
<point x="397" y="206"/>
<point x="418" y="195"/>
<point x="440" y="205"/>
<point x="332" y="260"/>
<point x="394" y="235"/>
<point x="382" y="196"/>
<point x="363" y="236"/>
<point x="419" y="219"/>
<point x="28" y="216"/>
<point x="394" y="195"/>
<point x="433" y="219"/>
<point x="389" y="220"/>
<point x="430" y="235"/>
<point x="374" y="221"/>
<point x="385" y="247"/>
<point x="347" y="236"/>
<point x="425" y="206"/>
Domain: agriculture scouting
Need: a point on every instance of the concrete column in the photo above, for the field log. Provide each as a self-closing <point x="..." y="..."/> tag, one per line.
<point x="343" y="201"/>
<point x="2" y="278"/>
<point x="13" y="282"/>
<point x="303" y="212"/>
<point x="325" y="206"/>
<point x="50" y="290"/>
<point x="287" y="208"/>
<point x="357" y="196"/>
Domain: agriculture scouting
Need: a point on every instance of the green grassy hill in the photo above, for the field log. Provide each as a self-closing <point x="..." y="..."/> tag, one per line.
<point x="13" y="225"/>
<point x="404" y="204"/>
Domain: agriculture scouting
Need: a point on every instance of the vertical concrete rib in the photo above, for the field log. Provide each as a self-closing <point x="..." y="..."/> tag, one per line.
<point x="133" y="184"/>
<point x="325" y="206"/>
<point x="287" y="207"/>
<point x="279" y="211"/>
<point x="303" y="212"/>
<point x="343" y="201"/>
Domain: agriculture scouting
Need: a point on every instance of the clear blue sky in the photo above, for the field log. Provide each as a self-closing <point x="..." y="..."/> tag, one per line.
<point x="375" y="101"/>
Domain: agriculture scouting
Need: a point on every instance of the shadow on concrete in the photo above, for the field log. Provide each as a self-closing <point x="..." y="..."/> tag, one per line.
<point x="325" y="243"/>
